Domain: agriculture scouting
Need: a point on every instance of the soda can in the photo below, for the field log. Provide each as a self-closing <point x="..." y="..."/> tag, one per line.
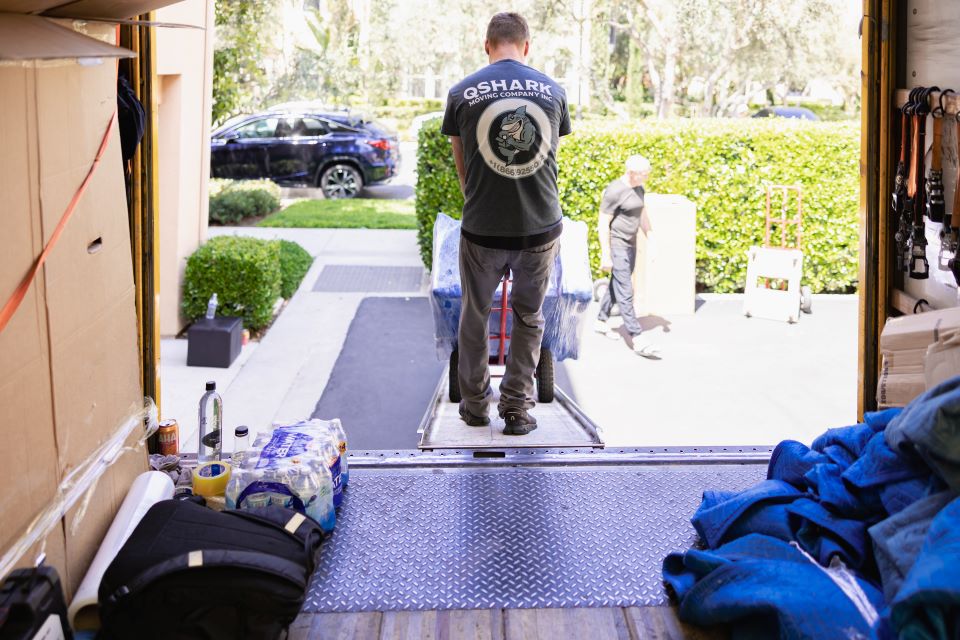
<point x="169" y="437"/>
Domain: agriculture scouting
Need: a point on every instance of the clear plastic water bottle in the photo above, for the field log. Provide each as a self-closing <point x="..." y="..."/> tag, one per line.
<point x="322" y="509"/>
<point x="212" y="307"/>
<point x="210" y="423"/>
<point x="331" y="457"/>
<point x="241" y="442"/>
<point x="336" y="428"/>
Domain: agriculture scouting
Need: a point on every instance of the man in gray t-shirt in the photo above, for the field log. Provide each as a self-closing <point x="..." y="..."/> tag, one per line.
<point x="622" y="216"/>
<point x="505" y="123"/>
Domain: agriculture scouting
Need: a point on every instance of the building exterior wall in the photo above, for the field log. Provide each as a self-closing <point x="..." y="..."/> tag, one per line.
<point x="185" y="75"/>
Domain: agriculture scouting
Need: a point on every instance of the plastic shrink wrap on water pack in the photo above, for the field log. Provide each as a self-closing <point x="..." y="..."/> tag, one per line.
<point x="297" y="466"/>
<point x="564" y="308"/>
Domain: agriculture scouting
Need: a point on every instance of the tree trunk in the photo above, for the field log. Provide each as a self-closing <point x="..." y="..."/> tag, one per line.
<point x="657" y="83"/>
<point x="668" y="88"/>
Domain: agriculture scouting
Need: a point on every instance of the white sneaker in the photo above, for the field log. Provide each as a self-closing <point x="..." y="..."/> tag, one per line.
<point x="646" y="349"/>
<point x="605" y="329"/>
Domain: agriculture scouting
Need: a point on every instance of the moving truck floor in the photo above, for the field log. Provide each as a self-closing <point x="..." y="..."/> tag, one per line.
<point x="550" y="529"/>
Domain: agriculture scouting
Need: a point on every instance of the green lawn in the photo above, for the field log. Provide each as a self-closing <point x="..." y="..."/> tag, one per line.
<point x="356" y="213"/>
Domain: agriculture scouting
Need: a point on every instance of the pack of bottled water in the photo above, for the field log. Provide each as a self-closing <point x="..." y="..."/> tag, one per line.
<point x="301" y="466"/>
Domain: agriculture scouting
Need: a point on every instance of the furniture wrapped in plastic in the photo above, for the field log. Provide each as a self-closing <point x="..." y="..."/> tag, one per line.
<point x="569" y="294"/>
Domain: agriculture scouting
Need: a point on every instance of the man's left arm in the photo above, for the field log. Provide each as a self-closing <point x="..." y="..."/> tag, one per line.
<point x="645" y="223"/>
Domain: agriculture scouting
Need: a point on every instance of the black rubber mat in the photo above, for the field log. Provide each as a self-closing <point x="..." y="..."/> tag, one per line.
<point x="526" y="537"/>
<point x="386" y="374"/>
<point x="345" y="278"/>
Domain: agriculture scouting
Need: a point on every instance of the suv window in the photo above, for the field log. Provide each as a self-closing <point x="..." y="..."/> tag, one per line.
<point x="294" y="127"/>
<point x="314" y="127"/>
<point x="339" y="127"/>
<point x="262" y="128"/>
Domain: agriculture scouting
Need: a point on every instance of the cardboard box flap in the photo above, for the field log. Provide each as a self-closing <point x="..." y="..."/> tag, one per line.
<point x="28" y="6"/>
<point x="106" y="8"/>
<point x="24" y="37"/>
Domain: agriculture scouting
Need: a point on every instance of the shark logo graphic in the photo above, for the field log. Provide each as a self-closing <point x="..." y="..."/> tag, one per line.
<point x="516" y="134"/>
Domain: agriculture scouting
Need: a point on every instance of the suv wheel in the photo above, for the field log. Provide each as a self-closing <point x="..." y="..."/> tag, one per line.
<point x="340" y="181"/>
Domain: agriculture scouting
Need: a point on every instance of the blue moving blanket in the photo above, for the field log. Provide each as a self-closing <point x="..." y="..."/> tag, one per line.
<point x="928" y="603"/>
<point x="726" y="515"/>
<point x="801" y="554"/>
<point x="766" y="588"/>
<point x="930" y="428"/>
<point x="898" y="539"/>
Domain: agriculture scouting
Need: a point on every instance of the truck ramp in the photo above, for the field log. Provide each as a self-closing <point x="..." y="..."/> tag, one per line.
<point x="560" y="424"/>
<point x="450" y="530"/>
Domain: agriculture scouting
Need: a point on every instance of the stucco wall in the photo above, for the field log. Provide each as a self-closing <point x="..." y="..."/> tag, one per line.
<point x="185" y="70"/>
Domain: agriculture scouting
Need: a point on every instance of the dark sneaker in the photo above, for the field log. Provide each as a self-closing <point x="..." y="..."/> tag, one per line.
<point x="518" y="422"/>
<point x="472" y="420"/>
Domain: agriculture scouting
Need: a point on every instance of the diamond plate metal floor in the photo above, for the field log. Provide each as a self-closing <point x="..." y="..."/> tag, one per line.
<point x="343" y="278"/>
<point x="522" y="537"/>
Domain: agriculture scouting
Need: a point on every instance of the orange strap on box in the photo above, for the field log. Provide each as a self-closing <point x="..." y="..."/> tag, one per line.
<point x="13" y="303"/>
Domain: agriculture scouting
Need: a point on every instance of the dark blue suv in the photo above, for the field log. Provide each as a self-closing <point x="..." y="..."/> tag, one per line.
<point x="337" y="152"/>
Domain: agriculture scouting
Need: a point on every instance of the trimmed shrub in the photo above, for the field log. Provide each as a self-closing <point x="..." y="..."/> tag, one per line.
<point x="243" y="272"/>
<point x="294" y="264"/>
<point x="219" y="185"/>
<point x="720" y="165"/>
<point x="234" y="201"/>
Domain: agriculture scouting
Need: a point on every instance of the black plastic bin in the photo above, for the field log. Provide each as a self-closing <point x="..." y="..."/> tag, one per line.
<point x="214" y="343"/>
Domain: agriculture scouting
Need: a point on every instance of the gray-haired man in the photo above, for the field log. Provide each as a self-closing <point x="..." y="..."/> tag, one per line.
<point x="622" y="217"/>
<point x="505" y="123"/>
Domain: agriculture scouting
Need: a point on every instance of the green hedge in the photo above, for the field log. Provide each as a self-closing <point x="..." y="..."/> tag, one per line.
<point x="233" y="200"/>
<point x="720" y="165"/>
<point x="294" y="264"/>
<point x="243" y="272"/>
<point x="247" y="274"/>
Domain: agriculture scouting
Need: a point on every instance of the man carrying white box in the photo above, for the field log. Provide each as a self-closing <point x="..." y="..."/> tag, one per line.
<point x="622" y="217"/>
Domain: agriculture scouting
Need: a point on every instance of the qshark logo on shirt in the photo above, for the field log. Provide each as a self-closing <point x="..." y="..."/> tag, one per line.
<point x="516" y="134"/>
<point x="513" y="136"/>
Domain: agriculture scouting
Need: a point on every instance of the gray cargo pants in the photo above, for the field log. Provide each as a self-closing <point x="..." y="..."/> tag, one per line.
<point x="480" y="272"/>
<point x="620" y="290"/>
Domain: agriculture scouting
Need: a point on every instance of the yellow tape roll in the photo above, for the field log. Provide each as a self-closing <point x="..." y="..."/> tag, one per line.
<point x="210" y="478"/>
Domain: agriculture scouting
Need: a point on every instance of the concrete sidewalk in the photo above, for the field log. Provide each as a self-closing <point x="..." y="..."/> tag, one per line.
<point x="283" y="376"/>
<point x="725" y="379"/>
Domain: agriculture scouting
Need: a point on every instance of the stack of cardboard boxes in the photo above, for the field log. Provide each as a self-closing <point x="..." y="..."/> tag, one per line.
<point x="919" y="352"/>
<point x="70" y="373"/>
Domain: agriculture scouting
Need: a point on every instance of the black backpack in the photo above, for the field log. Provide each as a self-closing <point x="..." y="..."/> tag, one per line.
<point x="191" y="572"/>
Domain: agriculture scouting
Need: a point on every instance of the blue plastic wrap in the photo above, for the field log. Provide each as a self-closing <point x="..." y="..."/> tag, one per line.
<point x="564" y="308"/>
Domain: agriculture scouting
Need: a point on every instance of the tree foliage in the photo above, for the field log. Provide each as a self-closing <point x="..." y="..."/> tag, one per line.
<point x="713" y="54"/>
<point x="242" y="34"/>
<point x="328" y="68"/>
<point x="668" y="57"/>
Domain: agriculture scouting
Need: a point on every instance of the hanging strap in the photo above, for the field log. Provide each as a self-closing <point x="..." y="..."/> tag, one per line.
<point x="912" y="180"/>
<point x="936" y="162"/>
<point x="13" y="303"/>
<point x="904" y="124"/>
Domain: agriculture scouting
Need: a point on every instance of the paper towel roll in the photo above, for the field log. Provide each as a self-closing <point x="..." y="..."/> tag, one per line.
<point x="149" y="488"/>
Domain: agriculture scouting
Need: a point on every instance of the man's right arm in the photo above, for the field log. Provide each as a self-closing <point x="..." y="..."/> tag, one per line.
<point x="604" y="219"/>
<point x="451" y="127"/>
<point x="603" y="231"/>
<point x="458" y="160"/>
